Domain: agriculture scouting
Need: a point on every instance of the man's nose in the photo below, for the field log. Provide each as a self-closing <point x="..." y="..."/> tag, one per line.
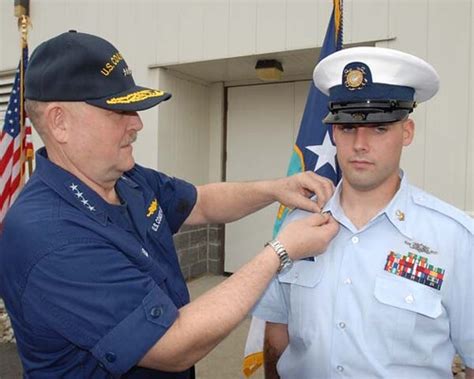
<point x="361" y="140"/>
<point x="134" y="121"/>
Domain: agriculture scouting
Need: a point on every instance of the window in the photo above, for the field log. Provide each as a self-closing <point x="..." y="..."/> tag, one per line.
<point x="6" y="84"/>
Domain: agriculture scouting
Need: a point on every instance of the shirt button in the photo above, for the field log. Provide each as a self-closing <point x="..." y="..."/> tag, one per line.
<point x="409" y="299"/>
<point x="348" y="281"/>
<point x="342" y="325"/>
<point x="355" y="239"/>
<point x="340" y="368"/>
<point x="156" y="312"/>
<point x="110" y="357"/>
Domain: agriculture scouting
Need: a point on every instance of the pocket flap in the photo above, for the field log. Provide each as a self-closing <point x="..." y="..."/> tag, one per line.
<point x="405" y="294"/>
<point x="304" y="273"/>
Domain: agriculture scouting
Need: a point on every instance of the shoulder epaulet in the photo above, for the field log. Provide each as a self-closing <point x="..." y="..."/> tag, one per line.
<point x="429" y="201"/>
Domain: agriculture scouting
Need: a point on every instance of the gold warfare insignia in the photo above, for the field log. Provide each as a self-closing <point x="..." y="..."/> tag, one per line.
<point x="152" y="208"/>
<point x="420" y="247"/>
<point x="354" y="78"/>
<point x="135" y="97"/>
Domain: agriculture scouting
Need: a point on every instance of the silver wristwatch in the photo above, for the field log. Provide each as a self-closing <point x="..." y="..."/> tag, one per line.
<point x="285" y="260"/>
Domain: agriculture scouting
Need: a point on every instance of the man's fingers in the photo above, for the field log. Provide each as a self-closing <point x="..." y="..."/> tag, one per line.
<point x="318" y="219"/>
<point x="324" y="191"/>
<point x="308" y="204"/>
<point x="319" y="185"/>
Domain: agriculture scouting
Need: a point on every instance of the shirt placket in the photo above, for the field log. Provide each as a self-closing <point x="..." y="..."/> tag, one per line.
<point x="342" y="325"/>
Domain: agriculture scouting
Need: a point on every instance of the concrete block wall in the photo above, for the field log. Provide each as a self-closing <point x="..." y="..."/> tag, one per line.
<point x="200" y="250"/>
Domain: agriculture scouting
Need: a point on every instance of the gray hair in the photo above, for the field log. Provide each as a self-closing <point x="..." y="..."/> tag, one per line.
<point x="34" y="110"/>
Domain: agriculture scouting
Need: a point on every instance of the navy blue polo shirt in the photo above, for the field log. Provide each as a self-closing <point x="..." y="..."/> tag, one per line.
<point x="90" y="287"/>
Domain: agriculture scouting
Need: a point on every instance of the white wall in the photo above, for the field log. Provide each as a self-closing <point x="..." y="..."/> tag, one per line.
<point x="168" y="32"/>
<point x="440" y="32"/>
<point x="183" y="135"/>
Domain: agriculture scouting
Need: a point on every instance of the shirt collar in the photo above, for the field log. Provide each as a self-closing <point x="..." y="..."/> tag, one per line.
<point x="72" y="189"/>
<point x="395" y="211"/>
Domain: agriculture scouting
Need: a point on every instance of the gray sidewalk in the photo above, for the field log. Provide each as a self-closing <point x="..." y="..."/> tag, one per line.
<point x="225" y="361"/>
<point x="222" y="363"/>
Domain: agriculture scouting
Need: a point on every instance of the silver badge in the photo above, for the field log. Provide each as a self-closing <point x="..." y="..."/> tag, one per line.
<point x="420" y="247"/>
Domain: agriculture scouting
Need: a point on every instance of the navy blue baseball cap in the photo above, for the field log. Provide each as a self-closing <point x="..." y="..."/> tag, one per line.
<point x="82" y="67"/>
<point x="373" y="85"/>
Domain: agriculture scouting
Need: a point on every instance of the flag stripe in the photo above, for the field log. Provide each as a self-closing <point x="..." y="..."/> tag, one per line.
<point x="6" y="147"/>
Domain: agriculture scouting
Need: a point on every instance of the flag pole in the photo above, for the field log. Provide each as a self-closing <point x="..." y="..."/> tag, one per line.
<point x="22" y="11"/>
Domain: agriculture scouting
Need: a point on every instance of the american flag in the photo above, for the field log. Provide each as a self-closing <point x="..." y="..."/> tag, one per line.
<point x="15" y="143"/>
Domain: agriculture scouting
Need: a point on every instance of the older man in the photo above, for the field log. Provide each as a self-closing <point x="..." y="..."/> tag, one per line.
<point x="88" y="270"/>
<point x="392" y="297"/>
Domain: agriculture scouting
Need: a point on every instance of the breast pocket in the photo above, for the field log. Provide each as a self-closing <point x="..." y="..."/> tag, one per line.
<point x="404" y="313"/>
<point x="301" y="290"/>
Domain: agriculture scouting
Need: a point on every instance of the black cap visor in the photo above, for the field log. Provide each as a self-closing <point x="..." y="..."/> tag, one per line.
<point x="132" y="100"/>
<point x="369" y="112"/>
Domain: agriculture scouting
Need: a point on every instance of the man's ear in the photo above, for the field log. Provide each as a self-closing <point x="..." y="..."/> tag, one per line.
<point x="56" y="121"/>
<point x="408" y="131"/>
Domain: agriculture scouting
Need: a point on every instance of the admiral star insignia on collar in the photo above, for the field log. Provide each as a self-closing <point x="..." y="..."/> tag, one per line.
<point x="80" y="196"/>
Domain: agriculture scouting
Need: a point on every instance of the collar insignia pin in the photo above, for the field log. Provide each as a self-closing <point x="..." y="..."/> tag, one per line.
<point x="80" y="196"/>
<point x="400" y="215"/>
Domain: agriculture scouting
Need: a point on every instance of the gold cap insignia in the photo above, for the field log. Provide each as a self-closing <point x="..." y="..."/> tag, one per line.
<point x="354" y="78"/>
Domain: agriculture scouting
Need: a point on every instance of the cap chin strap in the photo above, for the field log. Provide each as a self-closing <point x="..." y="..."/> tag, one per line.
<point x="368" y="112"/>
<point x="382" y="105"/>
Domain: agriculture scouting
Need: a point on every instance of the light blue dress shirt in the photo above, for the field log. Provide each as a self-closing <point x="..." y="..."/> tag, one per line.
<point x="372" y="306"/>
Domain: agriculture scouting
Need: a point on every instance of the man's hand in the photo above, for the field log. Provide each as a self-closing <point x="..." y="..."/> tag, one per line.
<point x="295" y="191"/>
<point x="308" y="236"/>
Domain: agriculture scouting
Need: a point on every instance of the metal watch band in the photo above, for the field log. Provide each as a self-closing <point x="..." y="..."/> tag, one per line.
<point x="285" y="260"/>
